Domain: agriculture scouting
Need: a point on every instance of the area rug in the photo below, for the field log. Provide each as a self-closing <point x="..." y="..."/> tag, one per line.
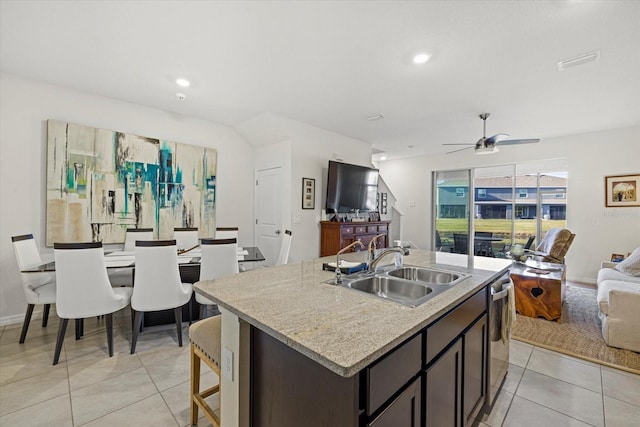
<point x="579" y="334"/>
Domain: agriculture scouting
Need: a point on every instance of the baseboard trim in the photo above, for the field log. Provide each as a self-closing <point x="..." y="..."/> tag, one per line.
<point x="11" y="320"/>
<point x="589" y="280"/>
<point x="19" y="318"/>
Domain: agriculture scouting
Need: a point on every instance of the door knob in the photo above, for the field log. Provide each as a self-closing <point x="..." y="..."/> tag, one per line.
<point x="277" y="231"/>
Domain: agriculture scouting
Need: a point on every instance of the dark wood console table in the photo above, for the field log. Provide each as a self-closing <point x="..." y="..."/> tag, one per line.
<point x="337" y="235"/>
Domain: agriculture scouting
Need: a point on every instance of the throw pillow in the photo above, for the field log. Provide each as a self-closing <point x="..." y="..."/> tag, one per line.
<point x="631" y="265"/>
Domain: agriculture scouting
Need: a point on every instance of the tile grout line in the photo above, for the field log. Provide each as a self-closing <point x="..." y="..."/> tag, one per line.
<point x="158" y="390"/>
<point x="517" y="387"/>
<point x="556" y="411"/>
<point x="604" y="415"/>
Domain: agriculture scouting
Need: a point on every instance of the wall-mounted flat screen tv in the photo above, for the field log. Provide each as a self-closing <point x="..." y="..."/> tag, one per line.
<point x="351" y="188"/>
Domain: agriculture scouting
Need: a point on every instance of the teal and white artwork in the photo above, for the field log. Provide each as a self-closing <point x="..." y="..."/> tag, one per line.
<point x="101" y="182"/>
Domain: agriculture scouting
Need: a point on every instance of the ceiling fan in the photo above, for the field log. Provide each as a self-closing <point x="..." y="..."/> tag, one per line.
<point x="489" y="145"/>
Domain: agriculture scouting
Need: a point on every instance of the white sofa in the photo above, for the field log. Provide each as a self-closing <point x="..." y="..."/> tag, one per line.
<point x="619" y="302"/>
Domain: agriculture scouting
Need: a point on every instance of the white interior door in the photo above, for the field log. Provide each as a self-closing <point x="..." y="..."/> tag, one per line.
<point x="269" y="213"/>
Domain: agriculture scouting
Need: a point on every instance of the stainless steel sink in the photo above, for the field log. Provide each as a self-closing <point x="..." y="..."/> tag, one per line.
<point x="407" y="285"/>
<point x="427" y="275"/>
<point x="409" y="293"/>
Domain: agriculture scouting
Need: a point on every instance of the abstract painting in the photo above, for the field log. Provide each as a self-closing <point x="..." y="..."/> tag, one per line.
<point x="101" y="182"/>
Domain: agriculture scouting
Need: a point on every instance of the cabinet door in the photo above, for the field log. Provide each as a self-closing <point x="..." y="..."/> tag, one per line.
<point x="404" y="411"/>
<point x="443" y="389"/>
<point x="475" y="353"/>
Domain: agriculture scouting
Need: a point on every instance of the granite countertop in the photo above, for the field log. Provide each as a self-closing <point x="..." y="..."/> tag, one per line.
<point x="342" y="329"/>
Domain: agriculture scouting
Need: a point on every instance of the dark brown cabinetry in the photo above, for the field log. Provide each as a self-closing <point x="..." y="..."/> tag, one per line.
<point x="404" y="411"/>
<point x="435" y="378"/>
<point x="475" y="353"/>
<point x="337" y="235"/>
<point x="456" y="379"/>
<point x="443" y="384"/>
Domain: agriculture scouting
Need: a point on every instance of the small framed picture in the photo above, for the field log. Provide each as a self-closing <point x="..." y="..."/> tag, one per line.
<point x="617" y="257"/>
<point x="621" y="191"/>
<point x="308" y="193"/>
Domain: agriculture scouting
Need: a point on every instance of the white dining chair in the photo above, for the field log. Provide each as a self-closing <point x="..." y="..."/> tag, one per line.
<point x="124" y="276"/>
<point x="158" y="285"/>
<point x="186" y="238"/>
<point x="285" y="247"/>
<point x="39" y="288"/>
<point x="84" y="290"/>
<point x="219" y="257"/>
<point x="133" y="234"/>
<point x="227" y="233"/>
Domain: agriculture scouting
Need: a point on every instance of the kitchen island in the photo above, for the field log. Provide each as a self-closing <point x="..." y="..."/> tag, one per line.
<point x="299" y="347"/>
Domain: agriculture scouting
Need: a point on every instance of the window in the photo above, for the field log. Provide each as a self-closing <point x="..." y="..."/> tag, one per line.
<point x="459" y="192"/>
<point x="523" y="193"/>
<point x="482" y="193"/>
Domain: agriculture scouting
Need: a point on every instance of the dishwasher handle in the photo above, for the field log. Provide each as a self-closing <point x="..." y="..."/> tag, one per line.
<point x="499" y="288"/>
<point x="495" y="296"/>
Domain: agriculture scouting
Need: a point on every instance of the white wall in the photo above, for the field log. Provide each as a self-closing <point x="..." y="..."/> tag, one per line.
<point x="599" y="231"/>
<point x="311" y="149"/>
<point x="25" y="105"/>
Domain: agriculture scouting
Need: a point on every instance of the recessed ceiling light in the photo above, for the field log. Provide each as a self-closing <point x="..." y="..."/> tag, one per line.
<point x="421" y="58"/>
<point x="383" y="157"/>
<point x="183" y="82"/>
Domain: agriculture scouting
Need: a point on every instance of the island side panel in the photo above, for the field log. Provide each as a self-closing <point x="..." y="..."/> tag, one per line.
<point x="289" y="389"/>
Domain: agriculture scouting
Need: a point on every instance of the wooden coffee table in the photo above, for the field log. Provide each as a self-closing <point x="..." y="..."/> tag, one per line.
<point x="539" y="289"/>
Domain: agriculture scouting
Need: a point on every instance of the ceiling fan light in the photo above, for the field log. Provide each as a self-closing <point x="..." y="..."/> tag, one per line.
<point x="487" y="150"/>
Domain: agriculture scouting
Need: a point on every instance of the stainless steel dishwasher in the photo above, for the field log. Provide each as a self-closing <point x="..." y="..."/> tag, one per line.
<point x="498" y="360"/>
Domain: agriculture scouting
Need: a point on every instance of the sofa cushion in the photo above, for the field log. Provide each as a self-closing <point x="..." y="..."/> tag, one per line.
<point x="631" y="265"/>
<point x="606" y="286"/>
<point x="615" y="274"/>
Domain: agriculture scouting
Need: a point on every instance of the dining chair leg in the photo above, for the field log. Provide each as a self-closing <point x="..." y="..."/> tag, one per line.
<point x="136" y="330"/>
<point x="25" y="323"/>
<point x="78" y="331"/>
<point x="178" y="314"/>
<point x="190" y="312"/>
<point x="45" y="315"/>
<point x="62" y="329"/>
<point x="109" y="324"/>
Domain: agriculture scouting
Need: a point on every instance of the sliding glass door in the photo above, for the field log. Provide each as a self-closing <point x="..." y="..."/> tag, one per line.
<point x="451" y="195"/>
<point x="499" y="207"/>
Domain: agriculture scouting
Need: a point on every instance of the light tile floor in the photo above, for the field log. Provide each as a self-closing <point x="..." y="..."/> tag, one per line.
<point x="545" y="388"/>
<point x="151" y="388"/>
<point x="87" y="387"/>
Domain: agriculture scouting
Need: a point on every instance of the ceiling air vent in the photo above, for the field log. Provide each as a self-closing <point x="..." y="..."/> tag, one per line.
<point x="579" y="60"/>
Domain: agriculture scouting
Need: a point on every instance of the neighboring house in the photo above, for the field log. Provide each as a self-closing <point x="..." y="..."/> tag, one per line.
<point x="494" y="197"/>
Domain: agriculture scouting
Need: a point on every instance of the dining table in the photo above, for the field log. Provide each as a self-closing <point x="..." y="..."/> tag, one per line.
<point x="188" y="265"/>
<point x="484" y="245"/>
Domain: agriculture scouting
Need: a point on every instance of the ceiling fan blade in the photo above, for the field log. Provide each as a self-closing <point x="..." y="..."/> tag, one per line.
<point x="495" y="138"/>
<point x="458" y="144"/>
<point x="460" y="149"/>
<point x="517" y="141"/>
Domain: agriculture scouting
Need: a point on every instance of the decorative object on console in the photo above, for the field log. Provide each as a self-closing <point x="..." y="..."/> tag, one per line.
<point x="101" y="182"/>
<point x="621" y="191"/>
<point x="617" y="257"/>
<point x="308" y="193"/>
